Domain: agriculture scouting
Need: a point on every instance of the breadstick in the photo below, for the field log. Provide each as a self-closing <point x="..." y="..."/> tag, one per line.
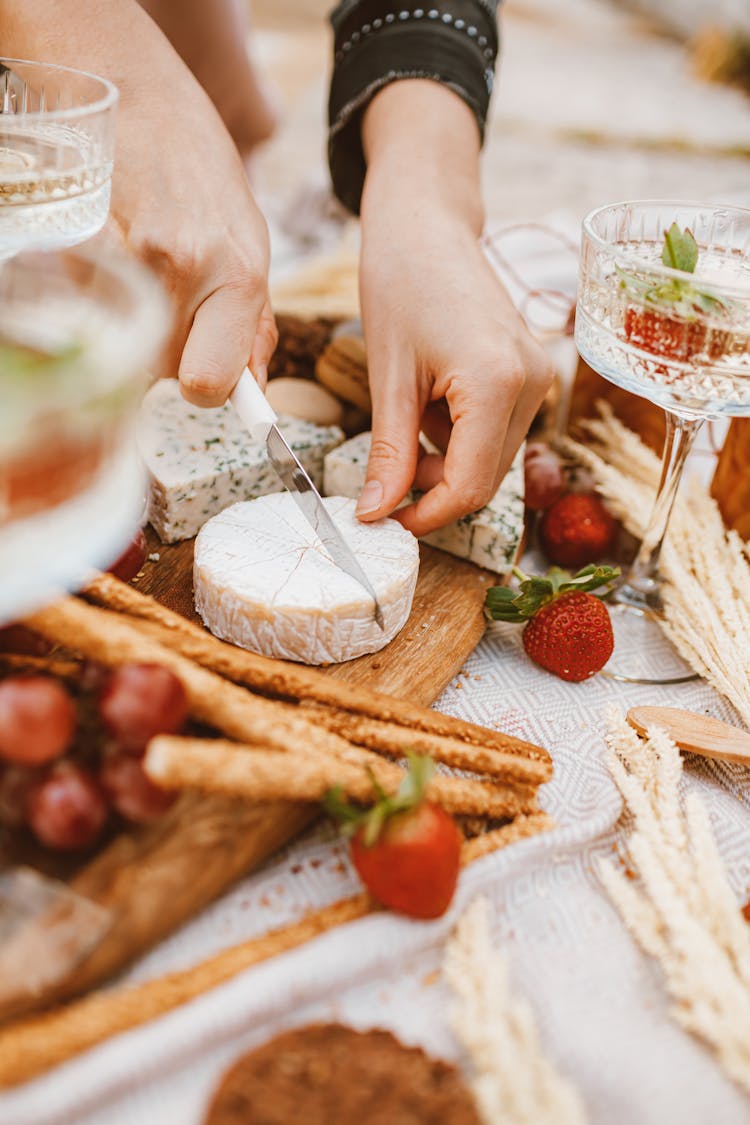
<point x="485" y="798"/>
<point x="40" y="665"/>
<point x="396" y="741"/>
<point x="291" y="680"/>
<point x="518" y="829"/>
<point x="31" y="1046"/>
<point x="216" y="766"/>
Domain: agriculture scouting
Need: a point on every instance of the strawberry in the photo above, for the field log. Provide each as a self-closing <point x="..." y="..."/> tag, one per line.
<point x="669" y="318"/>
<point x="568" y="630"/>
<point x="406" y="849"/>
<point x="662" y="334"/>
<point x="576" y="530"/>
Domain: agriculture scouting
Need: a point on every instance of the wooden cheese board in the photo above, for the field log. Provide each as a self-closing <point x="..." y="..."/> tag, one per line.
<point x="154" y="879"/>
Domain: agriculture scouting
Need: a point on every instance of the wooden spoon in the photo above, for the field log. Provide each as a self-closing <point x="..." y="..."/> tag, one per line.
<point x="700" y="734"/>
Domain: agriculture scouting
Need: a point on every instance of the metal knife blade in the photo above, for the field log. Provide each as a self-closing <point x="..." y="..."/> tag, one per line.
<point x="308" y="500"/>
<point x="258" y="415"/>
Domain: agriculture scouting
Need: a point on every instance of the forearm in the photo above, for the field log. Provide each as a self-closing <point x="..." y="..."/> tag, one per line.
<point x="422" y="148"/>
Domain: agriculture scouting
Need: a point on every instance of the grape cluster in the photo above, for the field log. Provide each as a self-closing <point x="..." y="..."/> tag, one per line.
<point x="69" y="757"/>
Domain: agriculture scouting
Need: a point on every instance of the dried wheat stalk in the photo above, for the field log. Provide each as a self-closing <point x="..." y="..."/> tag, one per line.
<point x="513" y="1081"/>
<point x="683" y="912"/>
<point x="706" y="592"/>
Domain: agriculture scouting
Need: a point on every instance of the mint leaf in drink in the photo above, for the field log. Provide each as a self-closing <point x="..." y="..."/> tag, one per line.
<point x="680" y="249"/>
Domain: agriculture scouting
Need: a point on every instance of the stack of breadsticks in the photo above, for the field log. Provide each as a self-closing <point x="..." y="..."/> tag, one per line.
<point x="296" y="732"/>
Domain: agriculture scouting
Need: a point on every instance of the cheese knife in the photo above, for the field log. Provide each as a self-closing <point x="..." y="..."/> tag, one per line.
<point x="260" y="418"/>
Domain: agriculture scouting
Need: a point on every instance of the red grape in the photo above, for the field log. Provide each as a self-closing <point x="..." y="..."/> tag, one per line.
<point x="543" y="476"/>
<point x="37" y="720"/>
<point x="131" y="792"/>
<point x="132" y="558"/>
<point x="139" y="701"/>
<point x="15" y="785"/>
<point x="67" y="810"/>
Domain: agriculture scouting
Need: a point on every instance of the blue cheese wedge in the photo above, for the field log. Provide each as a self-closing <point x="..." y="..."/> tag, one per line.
<point x="491" y="538"/>
<point x="264" y="581"/>
<point x="201" y="461"/>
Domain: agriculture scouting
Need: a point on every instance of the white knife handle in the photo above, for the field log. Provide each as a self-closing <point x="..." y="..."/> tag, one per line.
<point x="252" y="406"/>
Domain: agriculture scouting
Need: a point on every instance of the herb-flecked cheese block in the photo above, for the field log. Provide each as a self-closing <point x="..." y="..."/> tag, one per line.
<point x="491" y="537"/>
<point x="201" y="461"/>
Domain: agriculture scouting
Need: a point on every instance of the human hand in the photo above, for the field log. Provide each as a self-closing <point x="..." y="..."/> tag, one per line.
<point x="447" y="352"/>
<point x="185" y="208"/>
<point x="180" y="197"/>
<point x="449" y="355"/>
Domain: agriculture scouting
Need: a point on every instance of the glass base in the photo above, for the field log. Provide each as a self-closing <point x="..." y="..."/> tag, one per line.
<point x="48" y="554"/>
<point x="642" y="653"/>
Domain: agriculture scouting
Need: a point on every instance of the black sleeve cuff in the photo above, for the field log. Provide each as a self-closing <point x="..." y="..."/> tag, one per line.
<point x="454" y="42"/>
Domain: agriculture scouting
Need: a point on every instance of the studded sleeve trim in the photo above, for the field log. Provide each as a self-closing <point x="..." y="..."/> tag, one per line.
<point x="376" y="42"/>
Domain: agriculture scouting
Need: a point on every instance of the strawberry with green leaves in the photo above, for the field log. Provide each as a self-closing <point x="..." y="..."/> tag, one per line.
<point x="406" y="849"/>
<point x="669" y="318"/>
<point x="568" y="630"/>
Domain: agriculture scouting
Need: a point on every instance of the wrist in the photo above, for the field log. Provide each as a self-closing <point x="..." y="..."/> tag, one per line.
<point x="422" y="147"/>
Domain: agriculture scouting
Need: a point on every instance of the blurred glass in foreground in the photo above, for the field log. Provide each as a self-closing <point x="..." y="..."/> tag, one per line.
<point x="77" y="334"/>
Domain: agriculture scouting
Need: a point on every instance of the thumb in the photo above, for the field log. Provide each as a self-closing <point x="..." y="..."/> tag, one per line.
<point x="393" y="452"/>
<point x="219" y="343"/>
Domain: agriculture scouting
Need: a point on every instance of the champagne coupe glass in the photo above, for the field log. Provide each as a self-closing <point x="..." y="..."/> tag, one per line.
<point x="77" y="333"/>
<point x="679" y="339"/>
<point x="57" y="136"/>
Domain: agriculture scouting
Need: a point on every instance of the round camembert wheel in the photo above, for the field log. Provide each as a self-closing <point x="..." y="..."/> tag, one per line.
<point x="264" y="581"/>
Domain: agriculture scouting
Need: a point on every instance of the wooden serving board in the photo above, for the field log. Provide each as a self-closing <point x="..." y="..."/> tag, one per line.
<point x="445" y="625"/>
<point x="156" y="878"/>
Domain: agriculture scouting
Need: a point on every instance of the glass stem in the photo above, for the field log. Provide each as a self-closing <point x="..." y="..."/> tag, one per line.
<point x="641" y="586"/>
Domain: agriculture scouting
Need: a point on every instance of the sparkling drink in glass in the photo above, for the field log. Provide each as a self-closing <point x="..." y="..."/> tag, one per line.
<point x="664" y="311"/>
<point x="57" y="135"/>
<point x="77" y="333"/>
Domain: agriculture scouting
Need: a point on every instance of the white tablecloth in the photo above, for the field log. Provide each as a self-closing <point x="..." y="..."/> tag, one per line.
<point x="599" y="1002"/>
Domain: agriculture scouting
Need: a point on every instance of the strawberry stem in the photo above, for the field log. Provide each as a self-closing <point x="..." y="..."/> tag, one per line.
<point x="503" y="603"/>
<point x="410" y="794"/>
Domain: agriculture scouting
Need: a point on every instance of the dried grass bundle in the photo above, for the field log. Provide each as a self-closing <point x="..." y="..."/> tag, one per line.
<point x="683" y="912"/>
<point x="706" y="593"/>
<point x="513" y="1081"/>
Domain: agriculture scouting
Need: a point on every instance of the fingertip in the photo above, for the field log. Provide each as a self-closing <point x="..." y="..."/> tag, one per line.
<point x="204" y="391"/>
<point x="370" y="502"/>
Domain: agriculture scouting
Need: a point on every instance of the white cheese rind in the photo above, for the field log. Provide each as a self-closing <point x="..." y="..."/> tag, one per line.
<point x="201" y="461"/>
<point x="263" y="581"/>
<point x="491" y="537"/>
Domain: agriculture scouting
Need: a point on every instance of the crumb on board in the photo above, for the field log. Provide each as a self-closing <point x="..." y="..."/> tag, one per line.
<point x="154" y="556"/>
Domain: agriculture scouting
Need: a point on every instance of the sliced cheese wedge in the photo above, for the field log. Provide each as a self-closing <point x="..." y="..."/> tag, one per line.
<point x="263" y="581"/>
<point x="201" y="461"/>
